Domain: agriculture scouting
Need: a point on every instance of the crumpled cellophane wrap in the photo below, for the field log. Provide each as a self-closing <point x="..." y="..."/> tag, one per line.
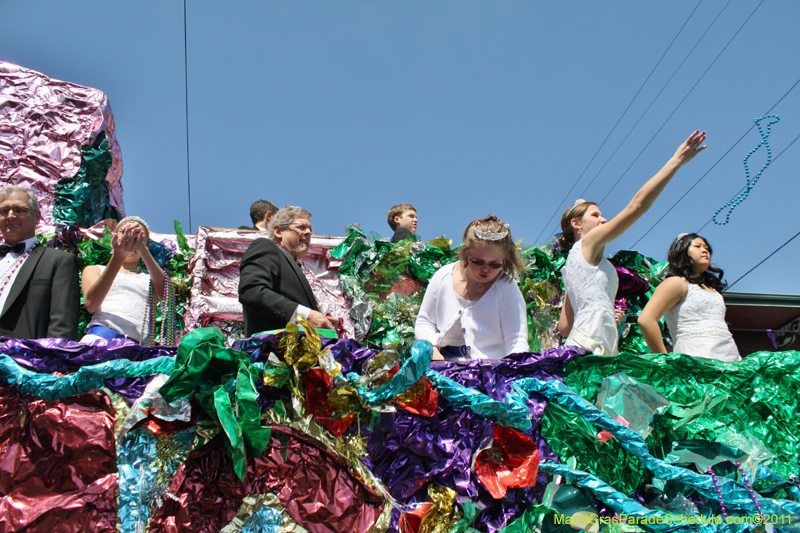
<point x="215" y="280"/>
<point x="46" y="124"/>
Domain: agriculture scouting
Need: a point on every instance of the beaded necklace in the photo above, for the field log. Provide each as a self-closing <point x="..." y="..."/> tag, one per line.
<point x="167" y="316"/>
<point x="749" y="488"/>
<point x="8" y="275"/>
<point x="742" y="196"/>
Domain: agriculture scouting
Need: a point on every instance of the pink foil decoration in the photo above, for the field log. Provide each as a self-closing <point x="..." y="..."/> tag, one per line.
<point x="59" y="464"/>
<point x="43" y="124"/>
<point x="215" y="278"/>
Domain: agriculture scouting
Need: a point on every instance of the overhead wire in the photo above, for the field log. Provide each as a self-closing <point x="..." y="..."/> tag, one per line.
<point x="683" y="100"/>
<point x="763" y="260"/>
<point x="696" y="183"/>
<point x="558" y="207"/>
<point x="186" y="86"/>
<point x="696" y="44"/>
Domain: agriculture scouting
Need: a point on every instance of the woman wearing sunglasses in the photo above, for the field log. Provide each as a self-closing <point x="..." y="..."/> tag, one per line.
<point x="473" y="308"/>
<point x="588" y="319"/>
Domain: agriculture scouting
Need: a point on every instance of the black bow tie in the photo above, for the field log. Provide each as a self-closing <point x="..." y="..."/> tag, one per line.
<point x="17" y="249"/>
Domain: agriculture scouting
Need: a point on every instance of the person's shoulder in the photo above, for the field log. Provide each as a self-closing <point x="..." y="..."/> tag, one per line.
<point x="58" y="255"/>
<point x="674" y="284"/>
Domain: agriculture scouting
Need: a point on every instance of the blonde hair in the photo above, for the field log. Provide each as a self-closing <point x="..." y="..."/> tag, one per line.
<point x="512" y="261"/>
<point x="567" y="238"/>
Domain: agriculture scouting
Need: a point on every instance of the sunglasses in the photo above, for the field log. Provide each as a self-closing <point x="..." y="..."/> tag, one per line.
<point x="480" y="263"/>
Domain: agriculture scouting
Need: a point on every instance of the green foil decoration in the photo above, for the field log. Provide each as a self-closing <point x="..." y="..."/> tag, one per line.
<point x="84" y="199"/>
<point x="224" y="381"/>
<point x="710" y="397"/>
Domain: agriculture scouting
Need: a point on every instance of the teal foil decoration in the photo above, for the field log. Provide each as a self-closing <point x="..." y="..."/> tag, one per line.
<point x="84" y="199"/>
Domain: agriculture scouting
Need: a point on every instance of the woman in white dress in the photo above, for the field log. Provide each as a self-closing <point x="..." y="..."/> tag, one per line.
<point x="690" y="299"/>
<point x="588" y="319"/>
<point x="473" y="308"/>
<point x="117" y="293"/>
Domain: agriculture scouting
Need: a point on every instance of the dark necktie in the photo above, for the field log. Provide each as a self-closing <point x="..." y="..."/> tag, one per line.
<point x="17" y="249"/>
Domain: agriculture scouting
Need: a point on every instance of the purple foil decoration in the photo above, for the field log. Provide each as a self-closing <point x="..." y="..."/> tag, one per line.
<point x="65" y="357"/>
<point x="630" y="284"/>
<point x="44" y="124"/>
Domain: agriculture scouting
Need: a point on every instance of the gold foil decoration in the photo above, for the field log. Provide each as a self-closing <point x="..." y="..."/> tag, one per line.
<point x="441" y="516"/>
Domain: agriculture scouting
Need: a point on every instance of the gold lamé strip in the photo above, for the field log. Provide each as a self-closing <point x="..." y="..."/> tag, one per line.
<point x="440" y="518"/>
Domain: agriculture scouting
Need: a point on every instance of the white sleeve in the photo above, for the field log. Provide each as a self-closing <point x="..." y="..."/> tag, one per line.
<point x="514" y="320"/>
<point x="301" y="310"/>
<point x="425" y="327"/>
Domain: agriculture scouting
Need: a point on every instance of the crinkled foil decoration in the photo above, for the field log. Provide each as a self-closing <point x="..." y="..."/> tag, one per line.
<point x="709" y="397"/>
<point x="59" y="464"/>
<point x="46" y="123"/>
<point x="294" y="466"/>
<point x="259" y="513"/>
<point x="83" y="199"/>
<point x="638" y="403"/>
<point x="225" y="382"/>
<point x="512" y="461"/>
<point x="215" y="279"/>
<point x="737" y="497"/>
<point x="146" y="465"/>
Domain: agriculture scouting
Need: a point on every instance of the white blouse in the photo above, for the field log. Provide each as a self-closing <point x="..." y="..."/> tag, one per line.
<point x="493" y="327"/>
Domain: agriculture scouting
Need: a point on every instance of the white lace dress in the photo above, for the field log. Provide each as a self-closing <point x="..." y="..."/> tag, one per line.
<point x="697" y="326"/>
<point x="591" y="291"/>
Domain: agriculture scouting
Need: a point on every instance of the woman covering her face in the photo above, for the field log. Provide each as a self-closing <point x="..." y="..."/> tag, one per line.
<point x="472" y="308"/>
<point x="588" y="319"/>
<point x="117" y="293"/>
<point x="690" y="299"/>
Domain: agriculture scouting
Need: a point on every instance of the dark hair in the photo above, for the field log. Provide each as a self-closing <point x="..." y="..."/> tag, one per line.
<point x="680" y="264"/>
<point x="397" y="211"/>
<point x="259" y="209"/>
<point x="512" y="262"/>
<point x="567" y="238"/>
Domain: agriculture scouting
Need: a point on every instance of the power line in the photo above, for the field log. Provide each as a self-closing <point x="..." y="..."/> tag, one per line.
<point x="712" y="168"/>
<point x="763" y="260"/>
<point x="558" y="207"/>
<point x="683" y="100"/>
<point x="696" y="44"/>
<point x="186" y="85"/>
<point x="743" y="188"/>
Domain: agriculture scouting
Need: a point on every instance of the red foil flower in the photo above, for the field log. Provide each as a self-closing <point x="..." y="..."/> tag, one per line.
<point x="318" y="387"/>
<point x="421" y="399"/>
<point x="511" y="462"/>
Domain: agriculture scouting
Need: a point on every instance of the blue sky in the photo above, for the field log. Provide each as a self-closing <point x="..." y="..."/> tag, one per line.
<point x="461" y="108"/>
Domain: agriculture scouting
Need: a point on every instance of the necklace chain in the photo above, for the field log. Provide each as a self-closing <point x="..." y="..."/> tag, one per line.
<point x="8" y="275"/>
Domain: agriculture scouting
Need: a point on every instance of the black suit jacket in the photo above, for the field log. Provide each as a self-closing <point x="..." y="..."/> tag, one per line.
<point x="45" y="299"/>
<point x="271" y="285"/>
<point x="248" y="227"/>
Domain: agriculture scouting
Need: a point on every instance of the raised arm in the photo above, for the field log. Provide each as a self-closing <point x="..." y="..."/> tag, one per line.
<point x="666" y="296"/>
<point x="94" y="284"/>
<point x="596" y="239"/>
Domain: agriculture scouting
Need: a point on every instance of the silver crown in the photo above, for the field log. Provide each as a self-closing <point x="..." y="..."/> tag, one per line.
<point x="133" y="219"/>
<point x="682" y="235"/>
<point x="491" y="235"/>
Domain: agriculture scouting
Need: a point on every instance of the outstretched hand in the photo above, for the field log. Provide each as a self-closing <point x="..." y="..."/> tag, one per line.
<point x="128" y="241"/>
<point x="690" y="148"/>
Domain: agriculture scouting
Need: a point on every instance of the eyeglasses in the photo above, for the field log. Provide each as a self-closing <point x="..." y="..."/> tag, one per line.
<point x="480" y="263"/>
<point x="19" y="211"/>
<point x="302" y="228"/>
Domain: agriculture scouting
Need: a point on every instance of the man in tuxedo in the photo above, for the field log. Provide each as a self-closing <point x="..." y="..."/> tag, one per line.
<point x="272" y="286"/>
<point x="39" y="295"/>
<point x="260" y="213"/>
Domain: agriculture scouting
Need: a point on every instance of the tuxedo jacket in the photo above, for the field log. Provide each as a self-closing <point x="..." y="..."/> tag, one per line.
<point x="44" y="300"/>
<point x="271" y="285"/>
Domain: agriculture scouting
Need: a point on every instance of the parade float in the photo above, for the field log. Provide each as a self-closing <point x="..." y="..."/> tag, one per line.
<point x="204" y="430"/>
